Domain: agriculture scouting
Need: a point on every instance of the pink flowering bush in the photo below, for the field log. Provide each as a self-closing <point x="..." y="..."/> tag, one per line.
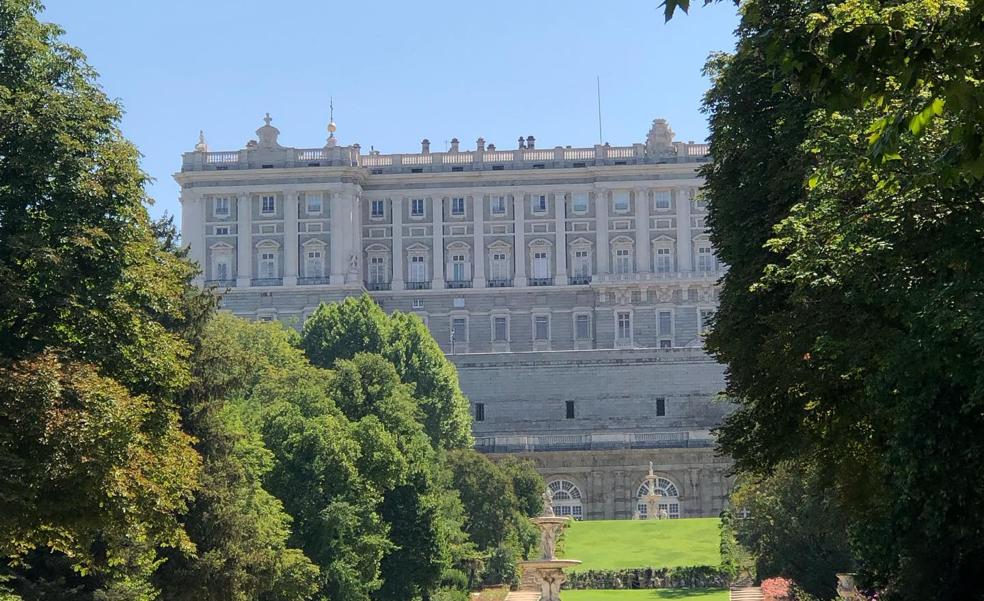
<point x="777" y="589"/>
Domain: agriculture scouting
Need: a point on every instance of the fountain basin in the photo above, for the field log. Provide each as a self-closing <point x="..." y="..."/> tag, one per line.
<point x="550" y="563"/>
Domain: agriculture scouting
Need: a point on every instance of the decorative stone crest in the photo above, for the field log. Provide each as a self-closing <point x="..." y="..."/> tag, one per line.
<point x="660" y="138"/>
<point x="268" y="134"/>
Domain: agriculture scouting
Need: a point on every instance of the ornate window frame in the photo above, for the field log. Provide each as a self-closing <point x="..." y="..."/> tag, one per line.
<point x="663" y="243"/>
<point x="622" y="243"/>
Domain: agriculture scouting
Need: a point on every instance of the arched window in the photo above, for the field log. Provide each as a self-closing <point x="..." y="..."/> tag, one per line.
<point x="566" y="499"/>
<point x="660" y="495"/>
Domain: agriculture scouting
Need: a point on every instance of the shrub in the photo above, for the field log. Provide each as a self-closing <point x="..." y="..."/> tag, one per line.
<point x="649" y="578"/>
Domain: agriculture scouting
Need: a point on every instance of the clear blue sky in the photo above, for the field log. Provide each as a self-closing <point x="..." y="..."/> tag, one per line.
<point x="398" y="71"/>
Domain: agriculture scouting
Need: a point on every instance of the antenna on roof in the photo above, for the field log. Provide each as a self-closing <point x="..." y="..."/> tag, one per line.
<point x="600" y="138"/>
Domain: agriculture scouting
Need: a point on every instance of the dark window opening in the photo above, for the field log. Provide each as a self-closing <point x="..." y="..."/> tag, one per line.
<point x="314" y="164"/>
<point x="377" y="171"/>
<point x="457" y="169"/>
<point x="266" y="166"/>
<point x="539" y="166"/>
<point x="480" y="412"/>
<point x="660" y="407"/>
<point x="570" y="409"/>
<point x="418" y="170"/>
<point x="579" y="165"/>
<point x="498" y="167"/>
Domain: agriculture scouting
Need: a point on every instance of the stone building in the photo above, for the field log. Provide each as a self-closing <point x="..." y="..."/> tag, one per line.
<point x="571" y="287"/>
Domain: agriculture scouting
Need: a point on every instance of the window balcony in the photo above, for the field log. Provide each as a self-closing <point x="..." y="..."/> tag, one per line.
<point x="266" y="282"/>
<point x="541" y="282"/>
<point x="500" y="283"/>
<point x="221" y="283"/>
<point x="378" y="286"/>
<point x="459" y="284"/>
<point x="313" y="281"/>
<point x="418" y="285"/>
<point x="579" y="280"/>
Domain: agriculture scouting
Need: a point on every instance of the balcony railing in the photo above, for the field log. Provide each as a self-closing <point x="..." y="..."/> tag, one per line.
<point x="459" y="283"/>
<point x="579" y="280"/>
<point x="313" y="281"/>
<point x="378" y="286"/>
<point x="500" y="283"/>
<point x="418" y="285"/>
<point x="606" y="441"/>
<point x="541" y="281"/>
<point x="266" y="282"/>
<point x="227" y="283"/>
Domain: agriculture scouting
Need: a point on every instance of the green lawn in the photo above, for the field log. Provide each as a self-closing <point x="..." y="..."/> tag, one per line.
<point x="616" y="544"/>
<point x="677" y="594"/>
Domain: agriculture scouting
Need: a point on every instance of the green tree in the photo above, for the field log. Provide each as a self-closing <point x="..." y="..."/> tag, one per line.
<point x="95" y="317"/>
<point x="850" y="321"/>
<point x="794" y="528"/>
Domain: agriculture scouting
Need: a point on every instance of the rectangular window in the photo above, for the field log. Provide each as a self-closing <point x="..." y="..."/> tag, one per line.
<point x="268" y="205"/>
<point x="541" y="265"/>
<point x="666" y="343"/>
<point x="268" y="265"/>
<point x="623" y="260"/>
<point x="541" y="327"/>
<point x="418" y="303"/>
<point x="705" y="258"/>
<point x="221" y="269"/>
<point x="539" y="203"/>
<point x="622" y="200"/>
<point x="377" y="209"/>
<point x="222" y="230"/>
<point x="624" y="323"/>
<point x="569" y="407"/>
<point x="222" y="207"/>
<point x="498" y="205"/>
<point x="312" y="202"/>
<point x="499" y="266"/>
<point x="664" y="260"/>
<point x="665" y="323"/>
<point x="459" y="329"/>
<point x="418" y="268"/>
<point x="458" y="268"/>
<point x="582" y="263"/>
<point x="663" y="199"/>
<point x="417" y="207"/>
<point x="377" y="270"/>
<point x="582" y="327"/>
<point x="500" y="329"/>
<point x="660" y="406"/>
<point x="458" y="206"/>
<point x="314" y="265"/>
<point x="480" y="412"/>
<point x="579" y="202"/>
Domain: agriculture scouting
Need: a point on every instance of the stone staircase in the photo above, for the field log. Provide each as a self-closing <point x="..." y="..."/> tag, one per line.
<point x="746" y="593"/>
<point x="522" y="595"/>
<point x="529" y="588"/>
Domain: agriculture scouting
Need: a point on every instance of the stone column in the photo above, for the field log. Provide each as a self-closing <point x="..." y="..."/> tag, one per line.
<point x="601" y="226"/>
<point x="290" y="238"/>
<point x="478" y="246"/>
<point x="643" y="245"/>
<point x="437" y="214"/>
<point x="397" y="256"/>
<point x="684" y="242"/>
<point x="560" y="238"/>
<point x="520" y="250"/>
<point x="193" y="229"/>
<point x="244" y="239"/>
<point x="339" y="259"/>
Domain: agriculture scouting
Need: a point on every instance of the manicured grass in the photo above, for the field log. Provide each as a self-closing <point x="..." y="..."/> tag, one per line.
<point x="676" y="594"/>
<point x="617" y="544"/>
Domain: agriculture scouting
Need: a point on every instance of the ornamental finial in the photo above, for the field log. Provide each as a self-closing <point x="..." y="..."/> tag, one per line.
<point x="202" y="146"/>
<point x="267" y="119"/>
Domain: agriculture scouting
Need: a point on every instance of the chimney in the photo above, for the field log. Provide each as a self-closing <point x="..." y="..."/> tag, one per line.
<point x="522" y="142"/>
<point x="480" y="144"/>
<point x="425" y="146"/>
<point x="530" y="141"/>
<point x="454" y="145"/>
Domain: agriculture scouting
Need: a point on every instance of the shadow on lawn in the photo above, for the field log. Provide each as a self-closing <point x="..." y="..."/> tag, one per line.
<point x="684" y="593"/>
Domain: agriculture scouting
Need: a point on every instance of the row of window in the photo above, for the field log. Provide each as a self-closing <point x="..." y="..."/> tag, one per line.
<point x="313" y="204"/>
<point x="570" y="410"/>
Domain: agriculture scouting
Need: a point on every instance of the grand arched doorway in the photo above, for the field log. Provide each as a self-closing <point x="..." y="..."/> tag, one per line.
<point x="657" y="498"/>
<point x="566" y="499"/>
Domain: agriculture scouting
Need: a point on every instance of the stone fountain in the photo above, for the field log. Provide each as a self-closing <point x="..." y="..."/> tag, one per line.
<point x="548" y="570"/>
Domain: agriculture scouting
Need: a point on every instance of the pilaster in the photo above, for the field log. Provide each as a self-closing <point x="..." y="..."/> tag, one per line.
<point x="601" y="219"/>
<point x="560" y="227"/>
<point x="643" y="246"/>
<point x="478" y="246"/>
<point x="684" y="242"/>
<point x="396" y="210"/>
<point x="244" y="240"/>
<point x="193" y="229"/>
<point x="519" y="253"/>
<point x="290" y="238"/>
<point x="339" y="259"/>
<point x="437" y="256"/>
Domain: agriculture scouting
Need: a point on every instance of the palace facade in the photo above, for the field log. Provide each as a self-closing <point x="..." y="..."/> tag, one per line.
<point x="570" y="286"/>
